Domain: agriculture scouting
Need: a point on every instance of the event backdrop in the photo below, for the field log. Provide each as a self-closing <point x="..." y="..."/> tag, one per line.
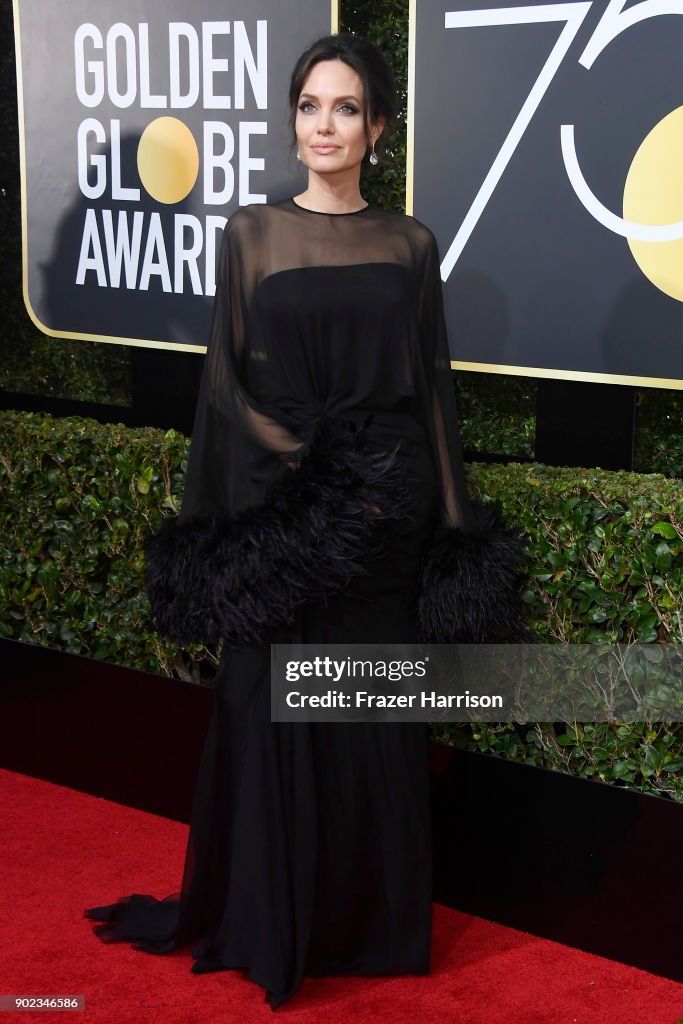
<point x="546" y="152"/>
<point x="143" y="127"/>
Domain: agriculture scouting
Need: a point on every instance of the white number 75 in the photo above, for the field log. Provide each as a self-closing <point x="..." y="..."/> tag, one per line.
<point x="613" y="22"/>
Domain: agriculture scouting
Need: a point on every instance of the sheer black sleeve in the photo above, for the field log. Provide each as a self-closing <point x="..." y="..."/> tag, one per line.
<point x="472" y="577"/>
<point x="444" y="426"/>
<point x="237" y="451"/>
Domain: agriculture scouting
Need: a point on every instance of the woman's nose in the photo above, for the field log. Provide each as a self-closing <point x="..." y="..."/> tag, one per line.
<point x="325" y="123"/>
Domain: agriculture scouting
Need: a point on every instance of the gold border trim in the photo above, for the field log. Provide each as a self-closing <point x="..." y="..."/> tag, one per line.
<point x="51" y="332"/>
<point x="673" y="383"/>
<point x="410" y="115"/>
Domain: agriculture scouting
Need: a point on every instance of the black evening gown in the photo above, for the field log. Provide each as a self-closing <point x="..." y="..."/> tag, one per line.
<point x="309" y="850"/>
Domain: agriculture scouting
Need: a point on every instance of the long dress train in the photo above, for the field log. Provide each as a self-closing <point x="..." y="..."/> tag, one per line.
<point x="309" y="851"/>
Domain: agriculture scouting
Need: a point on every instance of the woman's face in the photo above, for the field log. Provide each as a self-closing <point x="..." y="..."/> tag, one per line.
<point x="329" y="124"/>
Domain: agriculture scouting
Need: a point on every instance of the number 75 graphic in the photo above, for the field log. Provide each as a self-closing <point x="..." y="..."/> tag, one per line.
<point x="613" y="22"/>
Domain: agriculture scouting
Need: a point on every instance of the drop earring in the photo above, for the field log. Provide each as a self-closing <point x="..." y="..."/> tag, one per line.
<point x="374" y="159"/>
<point x="298" y="154"/>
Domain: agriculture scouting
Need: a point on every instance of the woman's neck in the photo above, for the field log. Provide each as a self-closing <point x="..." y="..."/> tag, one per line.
<point x="331" y="197"/>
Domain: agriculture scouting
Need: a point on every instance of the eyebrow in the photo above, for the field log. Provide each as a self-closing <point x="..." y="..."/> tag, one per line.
<point x="311" y="96"/>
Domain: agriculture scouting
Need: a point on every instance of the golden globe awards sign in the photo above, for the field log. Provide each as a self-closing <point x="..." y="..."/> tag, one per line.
<point x="143" y="127"/>
<point x="547" y="156"/>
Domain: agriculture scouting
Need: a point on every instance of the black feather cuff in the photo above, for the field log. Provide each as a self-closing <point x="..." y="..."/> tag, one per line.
<point x="470" y="586"/>
<point x="215" y="578"/>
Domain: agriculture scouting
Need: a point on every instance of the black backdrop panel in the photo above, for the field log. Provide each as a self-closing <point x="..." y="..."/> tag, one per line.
<point x="144" y="127"/>
<point x="536" y="274"/>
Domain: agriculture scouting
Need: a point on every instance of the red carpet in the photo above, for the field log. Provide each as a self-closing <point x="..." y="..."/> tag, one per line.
<point x="63" y="851"/>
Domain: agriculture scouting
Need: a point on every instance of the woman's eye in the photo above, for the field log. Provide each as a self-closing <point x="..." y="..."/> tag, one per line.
<point x="345" y="106"/>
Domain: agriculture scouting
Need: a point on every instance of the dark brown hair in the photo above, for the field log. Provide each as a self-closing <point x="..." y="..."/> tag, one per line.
<point x="370" y="64"/>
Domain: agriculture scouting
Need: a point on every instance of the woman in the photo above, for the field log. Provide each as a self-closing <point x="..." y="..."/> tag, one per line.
<point x="325" y="502"/>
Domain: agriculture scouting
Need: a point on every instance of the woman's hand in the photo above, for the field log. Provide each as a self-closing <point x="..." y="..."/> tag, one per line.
<point x="371" y="508"/>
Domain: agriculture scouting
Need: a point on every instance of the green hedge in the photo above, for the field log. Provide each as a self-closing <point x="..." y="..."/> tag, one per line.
<point x="77" y="496"/>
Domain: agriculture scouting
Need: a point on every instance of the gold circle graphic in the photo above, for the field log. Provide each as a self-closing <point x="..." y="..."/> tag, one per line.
<point x="653" y="194"/>
<point x="168" y="160"/>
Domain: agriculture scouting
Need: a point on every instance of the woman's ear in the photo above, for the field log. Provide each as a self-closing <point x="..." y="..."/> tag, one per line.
<point x="376" y="129"/>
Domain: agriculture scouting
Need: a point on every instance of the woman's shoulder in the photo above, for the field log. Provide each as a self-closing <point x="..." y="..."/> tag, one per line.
<point x="254" y="213"/>
<point x="419" y="231"/>
<point x="244" y="226"/>
<point x="417" y="234"/>
<point x="244" y="216"/>
<point x="250" y="223"/>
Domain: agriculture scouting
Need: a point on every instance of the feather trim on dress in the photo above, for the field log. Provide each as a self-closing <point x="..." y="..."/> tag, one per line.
<point x="234" y="578"/>
<point x="470" y="587"/>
